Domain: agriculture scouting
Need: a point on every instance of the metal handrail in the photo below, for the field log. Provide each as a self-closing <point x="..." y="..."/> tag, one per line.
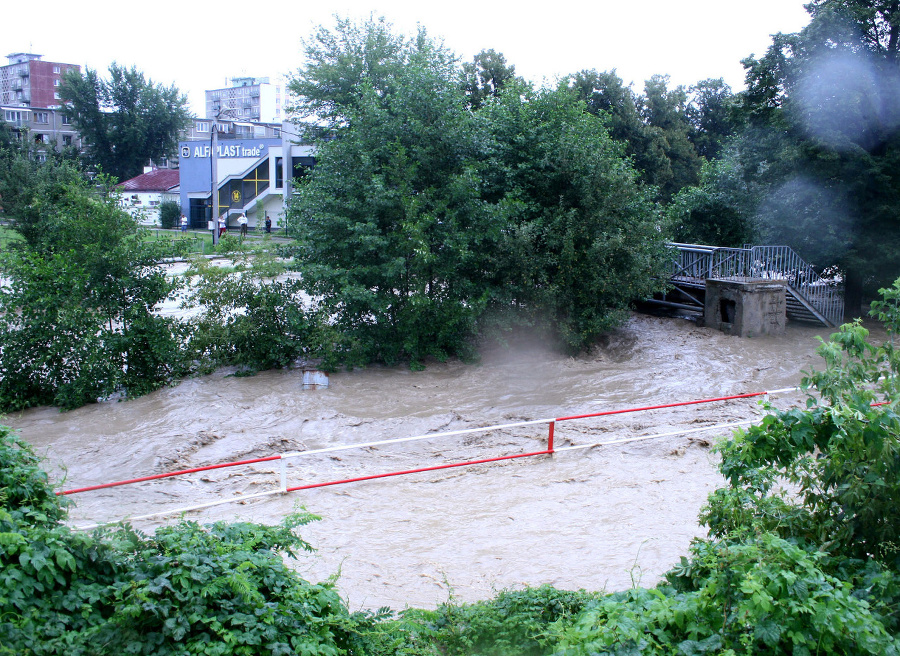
<point x="823" y="297"/>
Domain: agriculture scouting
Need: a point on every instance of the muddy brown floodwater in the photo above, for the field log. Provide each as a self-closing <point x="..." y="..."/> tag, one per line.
<point x="595" y="518"/>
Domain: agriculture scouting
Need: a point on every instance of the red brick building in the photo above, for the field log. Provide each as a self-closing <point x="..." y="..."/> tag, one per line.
<point x="28" y="81"/>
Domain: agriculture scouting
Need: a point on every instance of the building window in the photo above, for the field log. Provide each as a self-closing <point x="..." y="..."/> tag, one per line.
<point x="66" y="120"/>
<point x="56" y="83"/>
<point x="202" y="127"/>
<point x="42" y="117"/>
<point x="56" y="69"/>
<point x="56" y="95"/>
<point x="40" y="138"/>
<point x="67" y="140"/>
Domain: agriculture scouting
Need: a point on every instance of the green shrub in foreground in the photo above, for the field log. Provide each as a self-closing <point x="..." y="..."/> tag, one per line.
<point x="219" y="589"/>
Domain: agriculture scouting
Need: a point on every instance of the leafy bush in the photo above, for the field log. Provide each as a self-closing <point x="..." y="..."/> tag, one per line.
<point x="169" y="214"/>
<point x="762" y="595"/>
<point x="251" y="320"/>
<point x="840" y="455"/>
<point x="221" y="589"/>
<point x="514" y="622"/>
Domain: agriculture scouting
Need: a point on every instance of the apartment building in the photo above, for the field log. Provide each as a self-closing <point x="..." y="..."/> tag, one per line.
<point x="249" y="99"/>
<point x="29" y="81"/>
<point x="45" y="127"/>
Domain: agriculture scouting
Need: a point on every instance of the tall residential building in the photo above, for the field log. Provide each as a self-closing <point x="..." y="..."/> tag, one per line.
<point x="249" y="98"/>
<point x="28" y="81"/>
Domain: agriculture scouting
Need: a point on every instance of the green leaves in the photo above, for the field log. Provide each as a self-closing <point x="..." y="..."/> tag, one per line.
<point x="126" y="119"/>
<point x="76" y="314"/>
<point x="189" y="589"/>
<point x="425" y="226"/>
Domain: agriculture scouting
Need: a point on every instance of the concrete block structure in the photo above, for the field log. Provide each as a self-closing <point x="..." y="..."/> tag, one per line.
<point x="747" y="308"/>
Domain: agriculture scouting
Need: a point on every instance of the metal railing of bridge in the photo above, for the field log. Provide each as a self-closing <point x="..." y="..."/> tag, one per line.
<point x="822" y="297"/>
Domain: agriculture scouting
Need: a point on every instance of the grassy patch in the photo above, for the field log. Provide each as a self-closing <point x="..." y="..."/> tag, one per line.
<point x="7" y="236"/>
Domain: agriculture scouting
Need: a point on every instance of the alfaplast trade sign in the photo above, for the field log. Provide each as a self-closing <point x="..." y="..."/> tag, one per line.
<point x="223" y="150"/>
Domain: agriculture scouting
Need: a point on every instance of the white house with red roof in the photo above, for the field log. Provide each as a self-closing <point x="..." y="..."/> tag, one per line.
<point x="142" y="195"/>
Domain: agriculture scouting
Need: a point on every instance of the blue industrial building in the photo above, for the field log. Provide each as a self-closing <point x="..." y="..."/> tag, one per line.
<point x="253" y="177"/>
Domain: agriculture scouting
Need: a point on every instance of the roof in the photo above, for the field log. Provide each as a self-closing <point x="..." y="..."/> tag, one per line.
<point x="156" y="180"/>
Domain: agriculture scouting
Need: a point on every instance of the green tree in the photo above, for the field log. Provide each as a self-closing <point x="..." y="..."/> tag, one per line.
<point x="607" y="96"/>
<point x="169" y="214"/>
<point x="712" y="112"/>
<point x="124" y="120"/>
<point x="716" y="212"/>
<point x="76" y="312"/>
<point x="485" y="76"/>
<point x="654" y="127"/>
<point x="344" y="61"/>
<point x="824" y="138"/>
<point x="580" y="238"/>
<point x="389" y="220"/>
<point x="665" y="115"/>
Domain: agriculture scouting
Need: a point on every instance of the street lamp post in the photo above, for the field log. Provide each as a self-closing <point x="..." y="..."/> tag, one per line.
<point x="214" y="181"/>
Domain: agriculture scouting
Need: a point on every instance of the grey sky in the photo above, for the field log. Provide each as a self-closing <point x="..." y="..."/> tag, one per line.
<point x="197" y="45"/>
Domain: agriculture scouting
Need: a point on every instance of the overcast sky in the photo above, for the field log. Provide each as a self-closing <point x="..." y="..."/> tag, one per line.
<point x="198" y="45"/>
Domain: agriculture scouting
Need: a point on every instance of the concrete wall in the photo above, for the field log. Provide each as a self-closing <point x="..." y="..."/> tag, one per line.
<point x="745" y="308"/>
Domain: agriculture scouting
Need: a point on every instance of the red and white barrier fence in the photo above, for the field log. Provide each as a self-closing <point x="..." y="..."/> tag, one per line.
<point x="283" y="459"/>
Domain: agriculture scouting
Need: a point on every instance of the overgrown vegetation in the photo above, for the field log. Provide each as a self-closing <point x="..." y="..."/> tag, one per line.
<point x="425" y="224"/>
<point x="78" y="320"/>
<point x="189" y="589"/>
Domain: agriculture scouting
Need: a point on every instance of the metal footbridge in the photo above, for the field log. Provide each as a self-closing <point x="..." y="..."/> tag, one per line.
<point x="809" y="297"/>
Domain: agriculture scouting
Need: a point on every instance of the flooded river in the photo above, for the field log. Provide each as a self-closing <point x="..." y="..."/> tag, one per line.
<point x="596" y="518"/>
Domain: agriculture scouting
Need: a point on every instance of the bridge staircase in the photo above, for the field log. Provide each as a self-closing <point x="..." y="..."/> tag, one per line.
<point x="809" y="297"/>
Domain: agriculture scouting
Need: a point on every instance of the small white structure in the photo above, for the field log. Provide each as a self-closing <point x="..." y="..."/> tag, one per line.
<point x="142" y="195"/>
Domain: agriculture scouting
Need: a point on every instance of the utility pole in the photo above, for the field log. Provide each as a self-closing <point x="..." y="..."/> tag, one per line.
<point x="214" y="180"/>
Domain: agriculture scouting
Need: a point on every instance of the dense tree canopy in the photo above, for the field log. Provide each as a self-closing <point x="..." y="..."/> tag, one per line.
<point x="655" y="126"/>
<point x="344" y="61"/>
<point x="76" y="310"/>
<point x="822" y="143"/>
<point x="423" y="221"/>
<point x="125" y="120"/>
<point x="485" y="76"/>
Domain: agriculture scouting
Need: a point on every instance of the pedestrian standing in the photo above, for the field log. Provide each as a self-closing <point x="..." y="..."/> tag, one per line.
<point x="222" y="226"/>
<point x="183" y="223"/>
<point x="268" y="224"/>
<point x="242" y="221"/>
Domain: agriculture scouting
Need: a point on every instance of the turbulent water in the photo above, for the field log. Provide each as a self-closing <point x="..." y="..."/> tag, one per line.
<point x="596" y="518"/>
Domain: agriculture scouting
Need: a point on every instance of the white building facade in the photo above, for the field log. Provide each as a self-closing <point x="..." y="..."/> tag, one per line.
<point x="249" y="99"/>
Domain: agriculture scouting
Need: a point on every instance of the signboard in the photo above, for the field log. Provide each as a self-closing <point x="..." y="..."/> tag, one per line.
<point x="223" y="151"/>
